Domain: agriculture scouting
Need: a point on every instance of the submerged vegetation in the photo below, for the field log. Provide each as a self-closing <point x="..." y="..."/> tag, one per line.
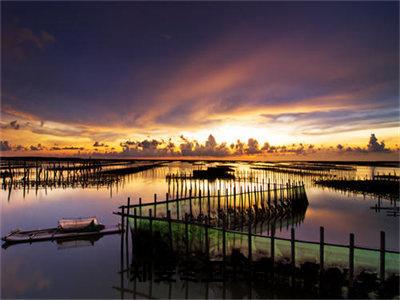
<point x="263" y="276"/>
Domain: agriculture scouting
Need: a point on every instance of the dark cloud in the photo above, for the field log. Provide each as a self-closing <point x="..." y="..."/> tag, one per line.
<point x="57" y="148"/>
<point x="5" y="146"/>
<point x="72" y="148"/>
<point x="98" y="144"/>
<point x="20" y="148"/>
<point x="253" y="146"/>
<point x="239" y="148"/>
<point x="148" y="148"/>
<point x="18" y="43"/>
<point x="39" y="147"/>
<point x="375" y="146"/>
<point x="12" y="125"/>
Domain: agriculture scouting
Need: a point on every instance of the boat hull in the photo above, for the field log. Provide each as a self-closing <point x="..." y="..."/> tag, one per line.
<point x="51" y="234"/>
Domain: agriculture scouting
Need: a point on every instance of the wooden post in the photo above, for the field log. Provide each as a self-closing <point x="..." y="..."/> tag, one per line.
<point x="382" y="256"/>
<point x="200" y="210"/>
<point x="128" y="206"/>
<point x="169" y="228"/>
<point x="292" y="241"/>
<point x="207" y="241"/>
<point x="208" y="206"/>
<point x="187" y="234"/>
<point x="151" y="222"/>
<point x="140" y="207"/>
<point x="190" y="204"/>
<point x="226" y="200"/>
<point x="321" y="248"/>
<point x="234" y="198"/>
<point x="351" y="257"/>
<point x="219" y="200"/>
<point x="248" y="197"/>
<point x="166" y="203"/>
<point x="177" y="209"/>
<point x="273" y="244"/>
<point x="123" y="218"/>
<point x="241" y="199"/>
<point x="249" y="238"/>
<point x="155" y="205"/>
<point x="223" y="241"/>
<point x="122" y="250"/>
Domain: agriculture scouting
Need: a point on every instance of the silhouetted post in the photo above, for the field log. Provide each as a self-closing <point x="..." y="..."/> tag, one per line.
<point x="269" y="194"/>
<point x="273" y="244"/>
<point x="122" y="252"/>
<point x="224" y="241"/>
<point x="123" y="218"/>
<point x="234" y="200"/>
<point x="128" y="205"/>
<point x="219" y="200"/>
<point x="254" y="194"/>
<point x="127" y="222"/>
<point x="292" y="241"/>
<point x="321" y="248"/>
<point x="226" y="199"/>
<point x="382" y="264"/>
<point x="177" y="209"/>
<point x="169" y="228"/>
<point x="208" y="206"/>
<point x="207" y="241"/>
<point x="241" y="199"/>
<point x="151" y="223"/>
<point x="166" y="202"/>
<point x="249" y="237"/>
<point x="200" y="202"/>
<point x="187" y="234"/>
<point x="262" y="198"/>
<point x="155" y="205"/>
<point x="351" y="258"/>
<point x="140" y="207"/>
<point x="248" y="197"/>
<point x="190" y="203"/>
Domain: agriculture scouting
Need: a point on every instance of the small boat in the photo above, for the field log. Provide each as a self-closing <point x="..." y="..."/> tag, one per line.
<point x="66" y="229"/>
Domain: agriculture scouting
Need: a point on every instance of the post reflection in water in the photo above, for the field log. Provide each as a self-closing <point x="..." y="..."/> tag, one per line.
<point x="202" y="261"/>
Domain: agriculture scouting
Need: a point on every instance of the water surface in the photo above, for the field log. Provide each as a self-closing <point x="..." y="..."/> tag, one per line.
<point x="81" y="269"/>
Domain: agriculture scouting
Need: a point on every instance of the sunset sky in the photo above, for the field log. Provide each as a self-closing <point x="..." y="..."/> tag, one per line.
<point x="95" y="77"/>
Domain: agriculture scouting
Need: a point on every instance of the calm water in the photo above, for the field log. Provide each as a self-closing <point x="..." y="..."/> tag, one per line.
<point x="47" y="269"/>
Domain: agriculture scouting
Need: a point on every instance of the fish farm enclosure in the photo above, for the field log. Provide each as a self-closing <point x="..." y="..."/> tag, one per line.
<point x="204" y="229"/>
